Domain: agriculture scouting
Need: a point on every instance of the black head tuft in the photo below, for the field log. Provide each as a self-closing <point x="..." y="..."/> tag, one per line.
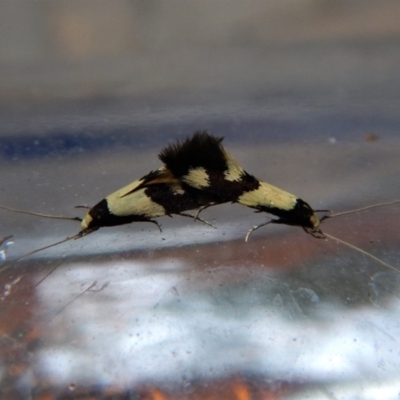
<point x="200" y="150"/>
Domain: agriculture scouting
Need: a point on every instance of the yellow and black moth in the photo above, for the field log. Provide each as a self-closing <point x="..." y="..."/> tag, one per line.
<point x="156" y="194"/>
<point x="204" y="166"/>
<point x="198" y="173"/>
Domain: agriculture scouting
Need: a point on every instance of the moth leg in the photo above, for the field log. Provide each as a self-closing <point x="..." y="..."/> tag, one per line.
<point x="201" y="209"/>
<point x="255" y="227"/>
<point x="197" y="218"/>
<point x="86" y="207"/>
<point x="154" y="222"/>
<point x="317" y="233"/>
<point x="326" y="217"/>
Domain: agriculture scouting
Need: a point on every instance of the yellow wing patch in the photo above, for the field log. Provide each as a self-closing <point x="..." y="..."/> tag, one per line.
<point x="234" y="171"/>
<point x="268" y="196"/>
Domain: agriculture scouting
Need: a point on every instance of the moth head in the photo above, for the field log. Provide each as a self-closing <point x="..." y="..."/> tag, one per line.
<point x="314" y="221"/>
<point x="87" y="221"/>
<point x="313" y="226"/>
<point x="99" y="215"/>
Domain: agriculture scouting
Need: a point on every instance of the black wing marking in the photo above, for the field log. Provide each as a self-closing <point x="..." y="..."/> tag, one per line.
<point x="205" y="167"/>
<point x="157" y="177"/>
<point x="226" y="178"/>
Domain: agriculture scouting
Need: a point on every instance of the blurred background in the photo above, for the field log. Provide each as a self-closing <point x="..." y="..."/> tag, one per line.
<point x="306" y="94"/>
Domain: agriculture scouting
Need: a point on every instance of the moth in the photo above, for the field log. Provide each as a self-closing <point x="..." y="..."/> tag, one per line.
<point x="204" y="166"/>
<point x="156" y="194"/>
<point x="198" y="173"/>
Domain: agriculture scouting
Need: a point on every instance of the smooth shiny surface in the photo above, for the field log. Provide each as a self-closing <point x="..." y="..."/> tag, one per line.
<point x="130" y="306"/>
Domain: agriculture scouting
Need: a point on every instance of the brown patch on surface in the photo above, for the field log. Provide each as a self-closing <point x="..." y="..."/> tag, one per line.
<point x="371" y="137"/>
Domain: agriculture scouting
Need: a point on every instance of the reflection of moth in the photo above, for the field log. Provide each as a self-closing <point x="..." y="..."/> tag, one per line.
<point x="198" y="173"/>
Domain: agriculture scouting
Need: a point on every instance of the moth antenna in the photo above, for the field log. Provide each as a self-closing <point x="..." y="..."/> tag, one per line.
<point x="40" y="214"/>
<point x="67" y="239"/>
<point x="352" y="246"/>
<point x="358" y="209"/>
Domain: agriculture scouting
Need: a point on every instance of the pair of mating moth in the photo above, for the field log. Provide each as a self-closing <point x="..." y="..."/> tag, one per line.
<point x="198" y="173"/>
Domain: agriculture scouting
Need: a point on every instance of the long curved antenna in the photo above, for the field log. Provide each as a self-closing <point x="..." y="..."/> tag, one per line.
<point x="39" y="214"/>
<point x="362" y="252"/>
<point x="359" y="209"/>
<point x="77" y="236"/>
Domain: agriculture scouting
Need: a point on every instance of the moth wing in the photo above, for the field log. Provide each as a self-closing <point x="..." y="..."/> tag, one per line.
<point x="160" y="176"/>
<point x="202" y="162"/>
